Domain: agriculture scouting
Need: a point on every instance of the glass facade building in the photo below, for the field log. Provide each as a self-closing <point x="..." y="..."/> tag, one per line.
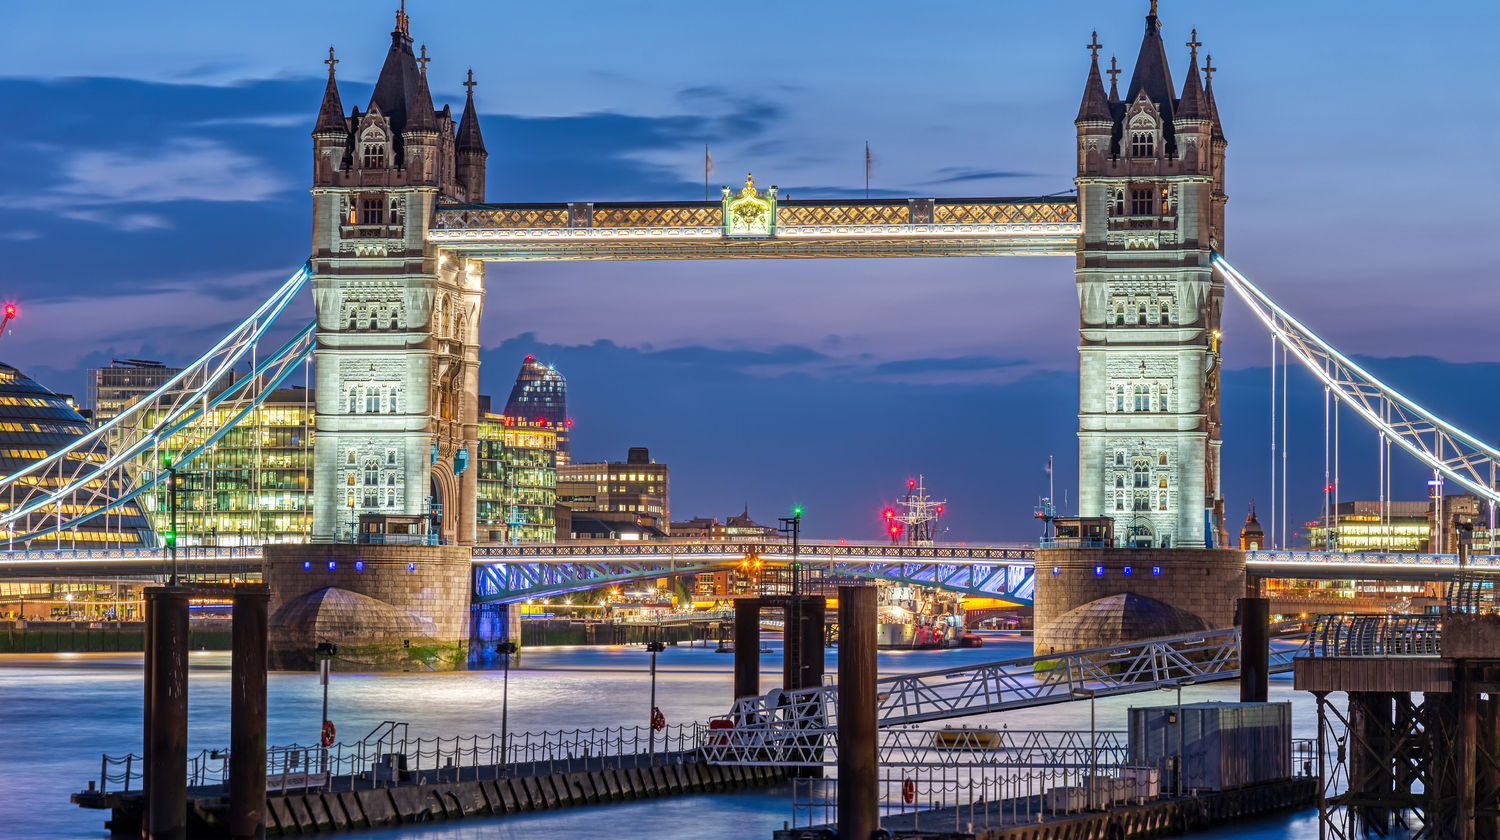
<point x="255" y="485"/>
<point x="540" y="396"/>
<point x="636" y="491"/>
<point x="517" y="482"/>
<point x="34" y="423"/>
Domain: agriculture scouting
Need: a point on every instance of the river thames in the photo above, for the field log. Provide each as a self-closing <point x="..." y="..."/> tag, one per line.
<point x="61" y="711"/>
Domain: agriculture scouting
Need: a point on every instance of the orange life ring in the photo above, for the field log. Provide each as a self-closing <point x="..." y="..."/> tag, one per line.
<point x="328" y="733"/>
<point x="909" y="791"/>
<point x="658" y="720"/>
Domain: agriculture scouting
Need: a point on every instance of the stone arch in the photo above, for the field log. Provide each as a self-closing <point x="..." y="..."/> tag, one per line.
<point x="446" y="483"/>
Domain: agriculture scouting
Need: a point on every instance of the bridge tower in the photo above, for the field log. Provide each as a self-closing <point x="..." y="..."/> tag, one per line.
<point x="1151" y="196"/>
<point x="397" y="340"/>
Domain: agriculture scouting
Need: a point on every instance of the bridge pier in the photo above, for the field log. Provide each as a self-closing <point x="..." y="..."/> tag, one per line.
<point x="387" y="607"/>
<point x="1255" y="650"/>
<point x="491" y="625"/>
<point x="1095" y="597"/>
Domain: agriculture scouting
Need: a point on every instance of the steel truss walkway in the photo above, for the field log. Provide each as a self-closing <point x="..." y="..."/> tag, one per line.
<point x="793" y="727"/>
<point x="513" y="573"/>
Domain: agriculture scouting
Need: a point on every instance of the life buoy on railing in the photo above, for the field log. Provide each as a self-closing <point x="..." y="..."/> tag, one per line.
<point x="328" y="733"/>
<point x="658" y="720"/>
<point x="909" y="791"/>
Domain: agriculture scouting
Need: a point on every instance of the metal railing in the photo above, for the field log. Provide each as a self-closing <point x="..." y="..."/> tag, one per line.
<point x="388" y="755"/>
<point x="1375" y="635"/>
<point x="789" y="727"/>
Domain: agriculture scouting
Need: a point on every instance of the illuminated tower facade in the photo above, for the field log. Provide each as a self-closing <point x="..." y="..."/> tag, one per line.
<point x="1151" y="195"/>
<point x="397" y="340"/>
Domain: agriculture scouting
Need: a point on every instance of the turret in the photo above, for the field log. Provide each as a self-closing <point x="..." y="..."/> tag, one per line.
<point x="1216" y="158"/>
<point x="1252" y="536"/>
<point x="1193" y="125"/>
<point x="1095" y="120"/>
<point x="420" y="137"/>
<point x="469" y="148"/>
<point x="330" y="133"/>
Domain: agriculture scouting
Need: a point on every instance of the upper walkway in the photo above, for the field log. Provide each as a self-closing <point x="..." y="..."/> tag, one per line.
<point x="742" y="224"/>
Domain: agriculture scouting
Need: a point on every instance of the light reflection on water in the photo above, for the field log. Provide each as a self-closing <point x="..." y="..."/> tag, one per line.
<point x="59" y="712"/>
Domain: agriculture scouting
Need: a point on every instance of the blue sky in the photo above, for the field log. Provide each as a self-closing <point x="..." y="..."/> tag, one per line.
<point x="157" y="160"/>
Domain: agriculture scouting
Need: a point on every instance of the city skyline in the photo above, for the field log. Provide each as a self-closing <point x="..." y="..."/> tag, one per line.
<point x="869" y="334"/>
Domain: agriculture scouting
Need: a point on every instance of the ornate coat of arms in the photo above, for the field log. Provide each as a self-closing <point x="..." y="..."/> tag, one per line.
<point x="749" y="212"/>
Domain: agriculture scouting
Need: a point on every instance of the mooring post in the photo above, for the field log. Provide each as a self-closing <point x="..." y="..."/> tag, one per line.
<point x="746" y="647"/>
<point x="166" y="772"/>
<point x="859" y="762"/>
<point x="149" y="645"/>
<point x="247" y="714"/>
<point x="1255" y="650"/>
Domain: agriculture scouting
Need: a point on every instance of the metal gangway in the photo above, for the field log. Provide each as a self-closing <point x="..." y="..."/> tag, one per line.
<point x="793" y="727"/>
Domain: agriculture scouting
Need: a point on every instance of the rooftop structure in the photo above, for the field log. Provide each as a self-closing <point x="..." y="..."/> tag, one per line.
<point x="540" y="396"/>
<point x="636" y="491"/>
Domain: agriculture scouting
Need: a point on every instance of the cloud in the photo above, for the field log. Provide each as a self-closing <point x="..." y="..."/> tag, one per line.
<point x="961" y="174"/>
<point x="947" y="365"/>
<point x="190" y="169"/>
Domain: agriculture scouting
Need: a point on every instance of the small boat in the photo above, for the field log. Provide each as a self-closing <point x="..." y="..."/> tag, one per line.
<point x="965" y="738"/>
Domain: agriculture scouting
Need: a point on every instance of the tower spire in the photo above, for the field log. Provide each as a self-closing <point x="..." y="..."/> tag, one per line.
<point x="469" y="137"/>
<point x="1094" y="107"/>
<point x="1208" y="95"/>
<point x="1193" y="105"/>
<point x="331" y="112"/>
<point x="1114" y="87"/>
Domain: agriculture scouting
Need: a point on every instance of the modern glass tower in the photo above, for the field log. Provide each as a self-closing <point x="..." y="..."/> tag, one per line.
<point x="540" y="397"/>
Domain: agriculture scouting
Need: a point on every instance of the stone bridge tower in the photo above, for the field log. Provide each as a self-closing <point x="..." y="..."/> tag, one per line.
<point x="1151" y="195"/>
<point x="398" y="322"/>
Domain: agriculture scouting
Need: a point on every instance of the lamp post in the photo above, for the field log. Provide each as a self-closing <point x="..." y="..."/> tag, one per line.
<point x="505" y="648"/>
<point x="326" y="651"/>
<point x="1080" y="693"/>
<point x="654" y="648"/>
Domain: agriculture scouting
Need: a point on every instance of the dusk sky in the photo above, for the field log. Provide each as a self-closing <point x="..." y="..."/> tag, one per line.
<point x="157" y="158"/>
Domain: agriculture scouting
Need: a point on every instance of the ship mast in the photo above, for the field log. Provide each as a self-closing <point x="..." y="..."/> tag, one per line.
<point x="918" y="516"/>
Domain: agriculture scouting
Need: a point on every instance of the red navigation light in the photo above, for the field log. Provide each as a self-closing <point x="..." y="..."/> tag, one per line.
<point x="939" y="508"/>
<point x="10" y="310"/>
<point x="1329" y="488"/>
<point x="894" y="529"/>
<point x="530" y="357"/>
<point x="570" y="422"/>
<point x="889" y="513"/>
<point x="911" y="482"/>
<point x="541" y="421"/>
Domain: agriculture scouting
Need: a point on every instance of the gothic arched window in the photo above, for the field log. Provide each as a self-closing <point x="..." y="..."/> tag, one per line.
<point x="1119" y="398"/>
<point x="1142" y="398"/>
<point x="392" y="407"/>
<point x="1142" y="144"/>
<point x="1119" y="500"/>
<point x="372" y="401"/>
<point x="353" y="408"/>
<point x="1142" y="475"/>
<point x="1162" y="504"/>
<point x="1166" y="314"/>
<point x="1161" y="399"/>
<point x="1119" y="314"/>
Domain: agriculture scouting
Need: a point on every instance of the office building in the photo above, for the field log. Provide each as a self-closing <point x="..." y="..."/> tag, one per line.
<point x="111" y="390"/>
<point x="517" y="482"/>
<point x="634" y="492"/>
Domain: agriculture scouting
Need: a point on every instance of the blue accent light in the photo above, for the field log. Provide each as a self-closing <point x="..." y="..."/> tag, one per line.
<point x="306" y="565"/>
<point x="411" y="567"/>
<point x="359" y="565"/>
<point x="1127" y="570"/>
<point x="332" y="565"/>
<point x="1156" y="571"/>
<point x="1098" y="571"/>
<point x="460" y="461"/>
<point x="1056" y="570"/>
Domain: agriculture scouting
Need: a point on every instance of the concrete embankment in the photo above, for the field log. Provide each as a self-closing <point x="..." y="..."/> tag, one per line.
<point x="345" y="806"/>
<point x="101" y="636"/>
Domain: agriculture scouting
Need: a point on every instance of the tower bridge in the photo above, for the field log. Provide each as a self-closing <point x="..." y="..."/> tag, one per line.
<point x="403" y="230"/>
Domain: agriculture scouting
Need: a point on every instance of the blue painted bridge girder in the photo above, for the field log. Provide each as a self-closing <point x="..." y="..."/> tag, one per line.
<point x="511" y="573"/>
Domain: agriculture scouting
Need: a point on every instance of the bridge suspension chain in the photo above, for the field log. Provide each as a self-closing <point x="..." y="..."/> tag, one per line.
<point x="108" y="467"/>
<point x="1437" y="443"/>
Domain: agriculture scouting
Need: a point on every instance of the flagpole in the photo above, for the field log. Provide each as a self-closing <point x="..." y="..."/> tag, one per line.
<point x="705" y="171"/>
<point x="867" y="170"/>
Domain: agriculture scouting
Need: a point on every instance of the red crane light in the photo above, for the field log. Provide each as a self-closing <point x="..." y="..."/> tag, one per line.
<point x="10" y="310"/>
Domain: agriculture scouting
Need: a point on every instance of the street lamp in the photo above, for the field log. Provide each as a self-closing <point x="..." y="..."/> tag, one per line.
<point x="654" y="648"/>
<point x="1079" y="694"/>
<point x="326" y="651"/>
<point x="505" y="648"/>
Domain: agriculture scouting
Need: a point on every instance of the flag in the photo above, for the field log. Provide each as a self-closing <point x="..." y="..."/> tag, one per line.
<point x="708" y="162"/>
<point x="1049" y="466"/>
<point x="867" y="169"/>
